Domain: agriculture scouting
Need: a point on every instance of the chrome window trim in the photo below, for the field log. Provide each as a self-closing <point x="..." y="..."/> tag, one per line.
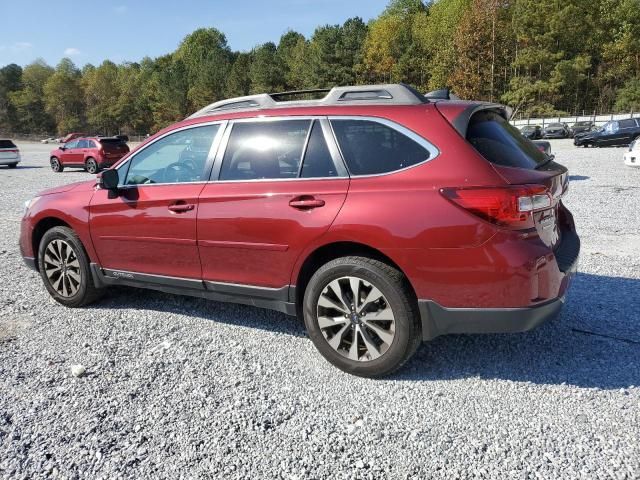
<point x="329" y="140"/>
<point x="215" y="144"/>
<point x="423" y="142"/>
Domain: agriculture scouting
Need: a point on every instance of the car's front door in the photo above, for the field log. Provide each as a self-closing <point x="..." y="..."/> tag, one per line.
<point x="277" y="186"/>
<point x="71" y="155"/>
<point x="149" y="226"/>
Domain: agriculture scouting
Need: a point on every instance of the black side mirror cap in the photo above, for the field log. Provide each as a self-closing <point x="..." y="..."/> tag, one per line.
<point x="109" y="179"/>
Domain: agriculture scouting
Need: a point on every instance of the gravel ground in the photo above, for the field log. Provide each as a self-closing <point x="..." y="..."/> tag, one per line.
<point x="178" y="387"/>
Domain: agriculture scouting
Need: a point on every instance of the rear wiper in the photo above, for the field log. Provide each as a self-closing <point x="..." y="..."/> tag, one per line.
<point x="548" y="159"/>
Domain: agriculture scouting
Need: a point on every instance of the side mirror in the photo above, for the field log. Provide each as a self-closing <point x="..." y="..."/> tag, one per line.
<point x="109" y="179"/>
<point x="63" y="147"/>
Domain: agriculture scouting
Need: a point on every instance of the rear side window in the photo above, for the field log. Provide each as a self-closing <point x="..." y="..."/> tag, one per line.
<point x="629" y="123"/>
<point x="501" y="143"/>
<point x="264" y="150"/>
<point x="7" y="144"/>
<point x="370" y="147"/>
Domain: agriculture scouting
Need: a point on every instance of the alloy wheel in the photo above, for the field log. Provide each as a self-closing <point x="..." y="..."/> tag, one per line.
<point x="92" y="166"/>
<point x="355" y="318"/>
<point x="62" y="268"/>
<point x="55" y="164"/>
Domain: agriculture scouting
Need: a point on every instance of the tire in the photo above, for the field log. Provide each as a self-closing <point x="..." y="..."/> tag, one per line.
<point x="373" y="355"/>
<point x="13" y="165"/>
<point x="76" y="288"/>
<point x="91" y="165"/>
<point x="56" y="166"/>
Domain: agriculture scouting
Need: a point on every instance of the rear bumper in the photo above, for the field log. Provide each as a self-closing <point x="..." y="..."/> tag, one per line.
<point x="438" y="320"/>
<point x="9" y="161"/>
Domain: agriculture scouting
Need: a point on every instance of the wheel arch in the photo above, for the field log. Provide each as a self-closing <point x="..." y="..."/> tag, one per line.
<point x="43" y="225"/>
<point x="330" y="251"/>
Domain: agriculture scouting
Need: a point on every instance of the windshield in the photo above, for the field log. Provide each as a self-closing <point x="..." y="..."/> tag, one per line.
<point x="583" y="124"/>
<point x="501" y="143"/>
<point x="555" y="125"/>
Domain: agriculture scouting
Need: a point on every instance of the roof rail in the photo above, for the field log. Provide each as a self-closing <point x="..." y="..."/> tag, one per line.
<point x="388" y="94"/>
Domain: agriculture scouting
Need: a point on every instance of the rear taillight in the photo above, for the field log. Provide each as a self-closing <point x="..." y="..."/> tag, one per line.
<point x="510" y="207"/>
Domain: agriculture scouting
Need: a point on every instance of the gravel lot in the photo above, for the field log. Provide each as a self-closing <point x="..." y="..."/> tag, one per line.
<point x="177" y="387"/>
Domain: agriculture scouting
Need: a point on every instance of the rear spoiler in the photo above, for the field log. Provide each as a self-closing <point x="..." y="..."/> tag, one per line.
<point x="459" y="113"/>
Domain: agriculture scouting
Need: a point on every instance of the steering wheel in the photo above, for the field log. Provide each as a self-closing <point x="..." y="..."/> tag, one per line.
<point x="177" y="172"/>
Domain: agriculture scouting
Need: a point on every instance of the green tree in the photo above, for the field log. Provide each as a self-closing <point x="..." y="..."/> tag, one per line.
<point x="101" y="93"/>
<point x="288" y="51"/>
<point x="63" y="97"/>
<point x="10" y="81"/>
<point x="206" y="59"/>
<point x="266" y="71"/>
<point x="239" y="79"/>
<point x="628" y="97"/>
<point x="28" y="102"/>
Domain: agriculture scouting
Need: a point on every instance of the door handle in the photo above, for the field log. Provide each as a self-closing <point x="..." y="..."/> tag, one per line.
<point x="306" y="202"/>
<point x="181" y="207"/>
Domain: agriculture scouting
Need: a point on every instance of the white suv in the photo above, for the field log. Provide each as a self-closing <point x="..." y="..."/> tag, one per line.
<point x="9" y="154"/>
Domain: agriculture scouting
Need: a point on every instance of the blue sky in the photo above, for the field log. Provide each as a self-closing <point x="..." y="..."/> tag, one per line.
<point x="91" y="31"/>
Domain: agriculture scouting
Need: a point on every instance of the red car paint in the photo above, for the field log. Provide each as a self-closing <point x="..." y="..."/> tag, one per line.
<point x="247" y="233"/>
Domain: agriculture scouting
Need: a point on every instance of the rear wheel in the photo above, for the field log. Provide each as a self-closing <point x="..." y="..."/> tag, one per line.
<point x="56" y="166"/>
<point x="64" y="267"/>
<point x="362" y="316"/>
<point x="91" y="165"/>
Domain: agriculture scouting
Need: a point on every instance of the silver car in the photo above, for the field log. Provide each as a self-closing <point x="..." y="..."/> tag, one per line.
<point x="9" y="154"/>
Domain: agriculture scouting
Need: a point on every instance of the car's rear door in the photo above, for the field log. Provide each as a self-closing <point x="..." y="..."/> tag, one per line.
<point x="149" y="227"/>
<point x="278" y="184"/>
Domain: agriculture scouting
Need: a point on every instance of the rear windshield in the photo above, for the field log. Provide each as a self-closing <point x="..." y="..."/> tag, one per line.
<point x="111" y="141"/>
<point x="501" y="143"/>
<point x="7" y="144"/>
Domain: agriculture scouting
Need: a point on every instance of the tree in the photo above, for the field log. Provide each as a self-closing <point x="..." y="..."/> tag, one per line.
<point x="289" y="56"/>
<point x="628" y="98"/>
<point x="28" y="101"/>
<point x="206" y="59"/>
<point x="10" y="81"/>
<point x="101" y="93"/>
<point x="239" y="80"/>
<point x="63" y="97"/>
<point x="266" y="71"/>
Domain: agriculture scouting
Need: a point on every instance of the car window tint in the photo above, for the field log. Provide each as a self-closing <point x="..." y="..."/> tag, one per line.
<point x="264" y="150"/>
<point x="7" y="144"/>
<point x="317" y="159"/>
<point x="369" y="147"/>
<point x="177" y="158"/>
<point x="501" y="143"/>
<point x="72" y="144"/>
<point x="628" y="123"/>
<point x="83" y="144"/>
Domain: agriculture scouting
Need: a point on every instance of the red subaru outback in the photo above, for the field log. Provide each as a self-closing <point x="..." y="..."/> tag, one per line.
<point x="382" y="217"/>
<point x="90" y="153"/>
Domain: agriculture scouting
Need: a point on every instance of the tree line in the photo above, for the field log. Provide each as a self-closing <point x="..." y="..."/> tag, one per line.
<point x="542" y="57"/>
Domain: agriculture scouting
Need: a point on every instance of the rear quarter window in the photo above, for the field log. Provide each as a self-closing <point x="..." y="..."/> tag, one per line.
<point x="501" y="143"/>
<point x="370" y="147"/>
<point x="7" y="144"/>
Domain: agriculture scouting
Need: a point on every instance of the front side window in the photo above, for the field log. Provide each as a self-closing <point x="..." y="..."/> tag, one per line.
<point x="610" y="127"/>
<point x="72" y="144"/>
<point x="265" y="150"/>
<point x="177" y="158"/>
<point x="370" y="147"/>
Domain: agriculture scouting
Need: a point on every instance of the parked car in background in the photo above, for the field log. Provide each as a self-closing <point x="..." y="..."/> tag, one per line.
<point x="532" y="132"/>
<point x="613" y="133"/>
<point x="380" y="226"/>
<point x="543" y="146"/>
<point x="71" y="136"/>
<point x="50" y="140"/>
<point x="9" y="153"/>
<point x="90" y="153"/>
<point x="556" y="130"/>
<point x="581" y="127"/>
<point x="632" y="156"/>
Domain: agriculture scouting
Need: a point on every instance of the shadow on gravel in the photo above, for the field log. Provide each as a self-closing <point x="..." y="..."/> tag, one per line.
<point x="594" y="343"/>
<point x="577" y="178"/>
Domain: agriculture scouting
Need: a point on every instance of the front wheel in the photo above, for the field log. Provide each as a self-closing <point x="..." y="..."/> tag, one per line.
<point x="362" y="316"/>
<point x="13" y="165"/>
<point x="64" y="267"/>
<point x="56" y="166"/>
<point x="91" y="165"/>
